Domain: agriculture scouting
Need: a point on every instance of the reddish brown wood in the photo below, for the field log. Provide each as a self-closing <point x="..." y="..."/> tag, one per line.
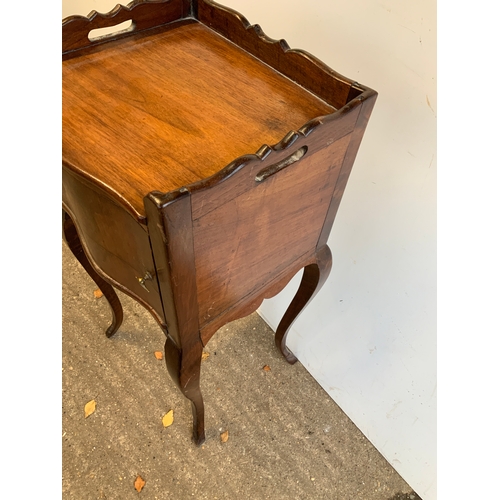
<point x="273" y="224"/>
<point x="324" y="132"/>
<point x="143" y="14"/>
<point x="116" y="244"/>
<point x="299" y="65"/>
<point x="367" y="100"/>
<point x="252" y="302"/>
<point x="70" y="235"/>
<point x="179" y="89"/>
<point x="184" y="368"/>
<point x="203" y="166"/>
<point x="313" y="278"/>
<point x="170" y="223"/>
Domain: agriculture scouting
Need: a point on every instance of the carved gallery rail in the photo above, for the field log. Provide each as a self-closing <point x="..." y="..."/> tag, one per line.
<point x="162" y="196"/>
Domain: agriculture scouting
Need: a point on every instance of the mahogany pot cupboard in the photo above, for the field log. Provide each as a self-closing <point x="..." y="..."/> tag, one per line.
<point x="203" y="166"/>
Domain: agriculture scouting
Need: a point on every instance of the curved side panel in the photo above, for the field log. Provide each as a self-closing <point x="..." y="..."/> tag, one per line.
<point x="115" y="243"/>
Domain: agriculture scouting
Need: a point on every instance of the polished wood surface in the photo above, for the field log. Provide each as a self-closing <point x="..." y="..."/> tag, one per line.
<point x="298" y="65"/>
<point x="116" y="244"/>
<point x="146" y="114"/>
<point x="203" y="167"/>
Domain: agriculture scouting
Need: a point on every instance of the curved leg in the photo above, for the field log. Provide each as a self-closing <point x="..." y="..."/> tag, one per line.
<point x="184" y="368"/>
<point x="73" y="241"/>
<point x="312" y="280"/>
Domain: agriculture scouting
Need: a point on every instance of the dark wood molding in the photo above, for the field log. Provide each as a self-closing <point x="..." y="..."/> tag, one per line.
<point x="297" y="64"/>
<point x="171" y="236"/>
<point x="240" y="174"/>
<point x="170" y="226"/>
<point x="367" y="101"/>
<point x="144" y="14"/>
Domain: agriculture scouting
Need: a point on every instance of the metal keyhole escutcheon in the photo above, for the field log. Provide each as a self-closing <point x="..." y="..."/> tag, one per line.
<point x="142" y="281"/>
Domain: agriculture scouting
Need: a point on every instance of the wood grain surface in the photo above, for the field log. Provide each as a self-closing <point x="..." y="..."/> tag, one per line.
<point x="300" y="66"/>
<point x="162" y="112"/>
<point x="115" y="243"/>
<point x="243" y="243"/>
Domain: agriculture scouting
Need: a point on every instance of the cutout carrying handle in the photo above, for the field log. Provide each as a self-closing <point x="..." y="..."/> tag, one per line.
<point x="80" y="31"/>
<point x="280" y="165"/>
<point x="100" y="34"/>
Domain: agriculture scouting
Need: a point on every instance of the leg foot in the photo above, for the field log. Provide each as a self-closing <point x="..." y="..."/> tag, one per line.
<point x="313" y="279"/>
<point x="184" y="367"/>
<point x="73" y="241"/>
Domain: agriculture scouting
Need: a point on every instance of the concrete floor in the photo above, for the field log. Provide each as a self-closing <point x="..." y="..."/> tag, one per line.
<point x="287" y="438"/>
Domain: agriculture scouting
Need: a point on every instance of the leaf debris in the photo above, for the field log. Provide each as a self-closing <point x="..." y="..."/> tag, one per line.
<point x="168" y="419"/>
<point x="224" y="436"/>
<point x="89" y="408"/>
<point x="266" y="368"/>
<point x="139" y="483"/>
<point x="204" y="355"/>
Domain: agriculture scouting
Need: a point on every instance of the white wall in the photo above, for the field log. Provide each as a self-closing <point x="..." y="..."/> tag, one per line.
<point x="83" y="7"/>
<point x="369" y="337"/>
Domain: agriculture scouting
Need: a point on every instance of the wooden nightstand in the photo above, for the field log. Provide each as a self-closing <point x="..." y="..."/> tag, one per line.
<point x="203" y="166"/>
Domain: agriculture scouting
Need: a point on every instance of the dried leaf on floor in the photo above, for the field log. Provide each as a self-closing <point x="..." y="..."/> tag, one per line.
<point x="89" y="408"/>
<point x="266" y="368"/>
<point x="97" y="293"/>
<point x="168" y="418"/>
<point x="224" y="436"/>
<point x="204" y="355"/>
<point x="158" y="355"/>
<point x="139" y="483"/>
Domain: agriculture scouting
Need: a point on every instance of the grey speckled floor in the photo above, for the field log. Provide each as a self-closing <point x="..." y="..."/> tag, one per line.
<point x="287" y="438"/>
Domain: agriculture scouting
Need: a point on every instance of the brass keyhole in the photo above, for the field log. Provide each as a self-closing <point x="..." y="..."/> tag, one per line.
<point x="142" y="281"/>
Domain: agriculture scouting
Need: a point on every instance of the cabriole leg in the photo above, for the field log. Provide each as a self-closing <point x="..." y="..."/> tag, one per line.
<point x="184" y="366"/>
<point x="73" y="241"/>
<point x="313" y="279"/>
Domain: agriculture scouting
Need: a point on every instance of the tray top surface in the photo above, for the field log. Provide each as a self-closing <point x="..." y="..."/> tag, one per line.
<point x="165" y="110"/>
